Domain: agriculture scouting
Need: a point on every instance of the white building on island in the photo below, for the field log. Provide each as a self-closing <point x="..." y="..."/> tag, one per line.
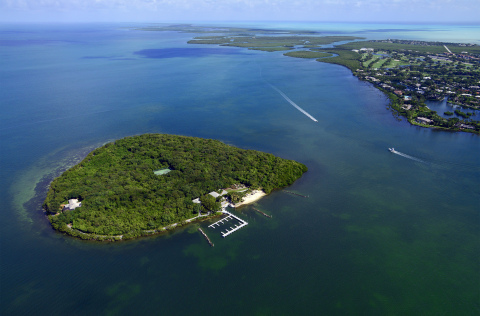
<point x="72" y="204"/>
<point x="215" y="194"/>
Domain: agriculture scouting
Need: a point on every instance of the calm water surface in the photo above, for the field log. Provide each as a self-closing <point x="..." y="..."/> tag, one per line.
<point x="379" y="234"/>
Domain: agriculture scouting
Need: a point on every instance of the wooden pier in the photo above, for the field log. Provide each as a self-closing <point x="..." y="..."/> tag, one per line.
<point x="206" y="237"/>
<point x="270" y="216"/>
<point x="232" y="228"/>
<point x="304" y="196"/>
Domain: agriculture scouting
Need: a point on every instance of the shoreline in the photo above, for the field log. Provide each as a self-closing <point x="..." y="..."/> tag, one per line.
<point x="251" y="198"/>
<point x="145" y="233"/>
<point x="254" y="196"/>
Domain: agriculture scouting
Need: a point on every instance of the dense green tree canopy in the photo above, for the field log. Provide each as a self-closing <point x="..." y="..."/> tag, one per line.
<point x="121" y="195"/>
<point x="209" y="202"/>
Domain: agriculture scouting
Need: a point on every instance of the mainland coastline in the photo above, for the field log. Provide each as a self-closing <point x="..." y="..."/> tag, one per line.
<point x="408" y="72"/>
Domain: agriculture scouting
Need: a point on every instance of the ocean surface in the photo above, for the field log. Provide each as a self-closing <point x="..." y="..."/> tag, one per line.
<point x="379" y="234"/>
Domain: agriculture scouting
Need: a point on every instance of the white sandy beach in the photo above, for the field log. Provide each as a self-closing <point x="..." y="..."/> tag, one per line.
<point x="252" y="197"/>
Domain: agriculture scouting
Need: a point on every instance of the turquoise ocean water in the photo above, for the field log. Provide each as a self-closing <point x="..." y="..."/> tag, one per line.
<point x="380" y="234"/>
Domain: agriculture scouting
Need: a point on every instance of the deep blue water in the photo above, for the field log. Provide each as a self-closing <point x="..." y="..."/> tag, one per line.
<point x="379" y="234"/>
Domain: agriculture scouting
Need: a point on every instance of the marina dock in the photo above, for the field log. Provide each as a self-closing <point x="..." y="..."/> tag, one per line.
<point x="231" y="229"/>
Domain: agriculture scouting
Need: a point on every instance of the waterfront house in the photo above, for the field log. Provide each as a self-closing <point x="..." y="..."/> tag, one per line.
<point x="424" y="120"/>
<point x="465" y="126"/>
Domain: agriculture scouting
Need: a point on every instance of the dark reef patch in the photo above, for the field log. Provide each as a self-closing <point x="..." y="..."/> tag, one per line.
<point x="187" y="52"/>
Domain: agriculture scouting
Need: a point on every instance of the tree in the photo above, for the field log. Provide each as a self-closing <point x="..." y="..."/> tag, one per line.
<point x="452" y="121"/>
<point x="236" y="197"/>
<point x="210" y="203"/>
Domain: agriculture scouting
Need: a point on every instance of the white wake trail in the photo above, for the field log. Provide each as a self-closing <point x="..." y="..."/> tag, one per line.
<point x="408" y="156"/>
<point x="293" y="103"/>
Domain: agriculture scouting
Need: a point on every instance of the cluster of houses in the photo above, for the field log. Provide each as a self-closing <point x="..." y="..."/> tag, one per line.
<point x="428" y="82"/>
<point x="422" y="43"/>
<point x="427" y="121"/>
<point x="443" y="75"/>
<point x="224" y="202"/>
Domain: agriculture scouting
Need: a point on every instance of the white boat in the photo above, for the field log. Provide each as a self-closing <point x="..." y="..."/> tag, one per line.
<point x="392" y="149"/>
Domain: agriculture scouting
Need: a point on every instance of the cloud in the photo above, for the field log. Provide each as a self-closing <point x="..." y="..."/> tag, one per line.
<point x="148" y="4"/>
<point x="314" y="10"/>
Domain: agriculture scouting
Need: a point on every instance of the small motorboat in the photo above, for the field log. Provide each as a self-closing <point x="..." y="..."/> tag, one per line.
<point x="392" y="149"/>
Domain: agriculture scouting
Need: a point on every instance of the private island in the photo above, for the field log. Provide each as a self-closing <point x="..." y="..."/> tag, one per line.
<point x="409" y="72"/>
<point x="147" y="184"/>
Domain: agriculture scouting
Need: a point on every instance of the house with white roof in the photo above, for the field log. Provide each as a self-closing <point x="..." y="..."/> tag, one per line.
<point x="72" y="204"/>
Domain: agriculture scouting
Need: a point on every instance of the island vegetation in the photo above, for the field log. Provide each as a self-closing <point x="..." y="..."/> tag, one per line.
<point x="254" y="38"/>
<point x="122" y="197"/>
<point x="271" y="43"/>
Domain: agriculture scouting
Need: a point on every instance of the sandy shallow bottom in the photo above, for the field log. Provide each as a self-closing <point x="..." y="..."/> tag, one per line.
<point x="252" y="197"/>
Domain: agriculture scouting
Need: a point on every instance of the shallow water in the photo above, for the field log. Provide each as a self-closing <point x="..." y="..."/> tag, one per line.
<point x="378" y="234"/>
<point x="443" y="106"/>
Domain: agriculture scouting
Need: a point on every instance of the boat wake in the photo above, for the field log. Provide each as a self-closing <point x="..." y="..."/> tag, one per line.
<point x="405" y="155"/>
<point x="441" y="164"/>
<point x="293" y="103"/>
<point x="285" y="96"/>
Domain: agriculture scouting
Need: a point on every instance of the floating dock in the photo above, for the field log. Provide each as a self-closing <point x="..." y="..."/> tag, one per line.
<point x="226" y="219"/>
<point x="231" y="228"/>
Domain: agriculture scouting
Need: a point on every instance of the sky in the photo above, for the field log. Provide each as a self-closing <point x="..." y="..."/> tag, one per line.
<point x="428" y="11"/>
